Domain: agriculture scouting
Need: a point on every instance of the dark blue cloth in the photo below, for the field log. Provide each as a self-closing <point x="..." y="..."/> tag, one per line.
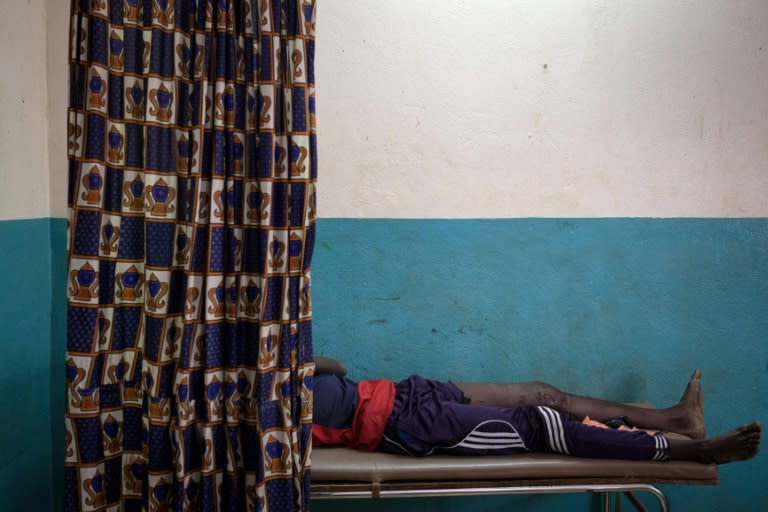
<point x="334" y="401"/>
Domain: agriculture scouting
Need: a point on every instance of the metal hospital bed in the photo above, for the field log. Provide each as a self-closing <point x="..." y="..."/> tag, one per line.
<point x="343" y="473"/>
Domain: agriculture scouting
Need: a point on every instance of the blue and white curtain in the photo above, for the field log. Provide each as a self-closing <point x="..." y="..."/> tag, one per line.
<point x="192" y="164"/>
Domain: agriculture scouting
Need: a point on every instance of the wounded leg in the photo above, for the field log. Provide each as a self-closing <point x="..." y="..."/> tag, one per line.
<point x="686" y="417"/>
<point x="570" y="437"/>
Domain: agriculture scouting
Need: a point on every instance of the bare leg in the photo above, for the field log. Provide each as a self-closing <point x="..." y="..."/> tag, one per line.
<point x="740" y="444"/>
<point x="686" y="417"/>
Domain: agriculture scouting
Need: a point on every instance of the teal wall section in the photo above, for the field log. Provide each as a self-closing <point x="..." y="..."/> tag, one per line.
<point x="623" y="309"/>
<point x="58" y="351"/>
<point x="31" y="363"/>
<point x="620" y="308"/>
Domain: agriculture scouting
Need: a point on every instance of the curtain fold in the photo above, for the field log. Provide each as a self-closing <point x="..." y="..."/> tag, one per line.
<point x="192" y="164"/>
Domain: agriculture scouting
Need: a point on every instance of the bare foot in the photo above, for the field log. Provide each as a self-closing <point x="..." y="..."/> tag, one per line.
<point x="688" y="415"/>
<point x="740" y="444"/>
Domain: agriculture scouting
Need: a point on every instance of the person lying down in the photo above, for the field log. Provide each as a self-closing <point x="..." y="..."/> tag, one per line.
<point x="419" y="417"/>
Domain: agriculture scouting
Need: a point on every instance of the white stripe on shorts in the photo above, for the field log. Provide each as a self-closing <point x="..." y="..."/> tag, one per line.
<point x="555" y="430"/>
<point x="479" y="440"/>
<point x="662" y="448"/>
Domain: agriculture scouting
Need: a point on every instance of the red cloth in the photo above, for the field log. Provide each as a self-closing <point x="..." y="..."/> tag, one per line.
<point x="374" y="405"/>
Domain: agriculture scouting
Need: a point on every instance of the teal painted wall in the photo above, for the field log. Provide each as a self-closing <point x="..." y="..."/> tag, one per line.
<point x="623" y="309"/>
<point x="620" y="308"/>
<point x="32" y="313"/>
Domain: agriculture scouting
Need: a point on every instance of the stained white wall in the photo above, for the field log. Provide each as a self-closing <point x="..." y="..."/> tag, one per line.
<point x="499" y="108"/>
<point x="489" y="108"/>
<point x="57" y="54"/>
<point x="24" y="174"/>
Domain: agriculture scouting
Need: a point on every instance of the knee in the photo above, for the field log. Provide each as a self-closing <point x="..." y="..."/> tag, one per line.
<point x="549" y="395"/>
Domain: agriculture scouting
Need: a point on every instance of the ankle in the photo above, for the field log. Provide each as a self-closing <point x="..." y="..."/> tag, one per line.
<point x="704" y="451"/>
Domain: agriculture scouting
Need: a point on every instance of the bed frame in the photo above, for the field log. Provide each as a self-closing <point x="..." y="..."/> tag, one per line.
<point x="342" y="473"/>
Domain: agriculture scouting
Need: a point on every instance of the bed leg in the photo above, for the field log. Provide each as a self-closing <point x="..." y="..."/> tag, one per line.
<point x="660" y="497"/>
<point x="638" y="505"/>
<point x="635" y="502"/>
<point x="606" y="501"/>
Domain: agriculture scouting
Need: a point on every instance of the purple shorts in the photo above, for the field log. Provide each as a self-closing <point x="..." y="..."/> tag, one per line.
<point x="435" y="417"/>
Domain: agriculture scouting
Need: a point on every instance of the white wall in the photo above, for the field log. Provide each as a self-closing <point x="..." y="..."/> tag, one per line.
<point x="57" y="30"/>
<point x="444" y="108"/>
<point x="24" y="183"/>
<point x="500" y="108"/>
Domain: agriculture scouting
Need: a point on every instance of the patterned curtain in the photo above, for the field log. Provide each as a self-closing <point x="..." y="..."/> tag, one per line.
<point x="192" y="156"/>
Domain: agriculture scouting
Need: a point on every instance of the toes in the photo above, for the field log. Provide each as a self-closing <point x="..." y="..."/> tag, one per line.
<point x="693" y="389"/>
